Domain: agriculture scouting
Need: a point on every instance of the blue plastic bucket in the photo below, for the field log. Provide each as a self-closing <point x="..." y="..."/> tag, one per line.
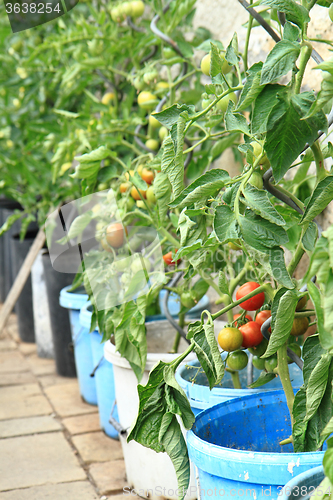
<point x="196" y="388"/>
<point x="174" y="307"/>
<point x="303" y="486"/>
<point x="74" y="301"/>
<point x="235" y="446"/>
<point x="103" y="376"/>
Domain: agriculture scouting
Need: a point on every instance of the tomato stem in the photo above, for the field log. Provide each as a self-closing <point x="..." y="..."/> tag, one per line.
<point x="319" y="160"/>
<point x="261" y="288"/>
<point x="285" y="379"/>
<point x="177" y="336"/>
<point x="306" y="52"/>
<point x="235" y="379"/>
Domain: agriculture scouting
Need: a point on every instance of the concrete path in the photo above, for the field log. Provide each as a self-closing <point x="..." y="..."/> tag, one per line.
<point x="51" y="445"/>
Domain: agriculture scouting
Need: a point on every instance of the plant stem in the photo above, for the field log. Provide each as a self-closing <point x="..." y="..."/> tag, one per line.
<point x="169" y="237"/>
<point x="306" y="52"/>
<point x="285" y="379"/>
<point x="319" y="159"/>
<point x="262" y="288"/>
<point x="178" y="360"/>
<point x="304" y="314"/>
<point x="297" y="256"/>
<point x="248" y="34"/>
<point x="177" y="336"/>
<point x="235" y="380"/>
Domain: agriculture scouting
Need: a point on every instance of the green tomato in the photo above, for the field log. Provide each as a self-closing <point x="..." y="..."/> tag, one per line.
<point x="147" y="100"/>
<point x="126" y="8"/>
<point x="152" y="144"/>
<point x="150" y="76"/>
<point x="330" y="12"/>
<point x="137" y="8"/>
<point x="187" y="299"/>
<point x="205" y="64"/>
<point x="237" y="360"/>
<point x="258" y="363"/>
<point x="260" y="349"/>
<point x="168" y="53"/>
<point x="130" y="203"/>
<point x="151" y="198"/>
<point x="222" y="105"/>
<point x="271" y="363"/>
<point x="163" y="133"/>
<point x="297" y="350"/>
<point x="256" y="180"/>
<point x="138" y="83"/>
<point x="153" y="122"/>
<point x="139" y="264"/>
<point x="102" y="186"/>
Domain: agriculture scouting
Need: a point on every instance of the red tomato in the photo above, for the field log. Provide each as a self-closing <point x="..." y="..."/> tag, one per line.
<point x="252" y="335"/>
<point x="247" y="316"/>
<point x="255" y="302"/>
<point x="168" y="259"/>
<point x="262" y="316"/>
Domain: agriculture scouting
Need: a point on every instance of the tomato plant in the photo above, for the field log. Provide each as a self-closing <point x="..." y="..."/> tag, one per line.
<point x="237" y="360"/>
<point x="262" y="316"/>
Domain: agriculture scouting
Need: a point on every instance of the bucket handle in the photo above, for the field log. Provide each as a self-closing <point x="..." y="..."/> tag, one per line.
<point x="92" y="374"/>
<point x="115" y="423"/>
<point x="71" y="345"/>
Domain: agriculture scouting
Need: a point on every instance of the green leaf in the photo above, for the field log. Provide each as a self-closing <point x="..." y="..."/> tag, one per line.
<point x="170" y="116"/>
<point x="258" y="201"/>
<point x="68" y="114"/>
<point x="295" y="12"/>
<point x="174" y="171"/>
<point x="283" y="322"/>
<point x="97" y="155"/>
<point x="317" y="385"/>
<point x="328" y="464"/>
<point x="310" y="237"/>
<point x="283" y="144"/>
<point x="86" y="170"/>
<point x="223" y="283"/>
<point x="207" y="185"/>
<point x="326" y="339"/>
<point x="252" y="87"/>
<point x="290" y="32"/>
<point x="279" y="61"/>
<point x="324" y="95"/>
<point x="261" y="233"/>
<point x="278" y="266"/>
<point x="207" y="351"/>
<point x="263" y="106"/>
<point x="235" y="122"/>
<point x="221" y="145"/>
<point x="162" y="191"/>
<point x="263" y="379"/>
<point x="10" y="221"/>
<point x="79" y="224"/>
<point x="321" y="197"/>
<point x="225" y="224"/>
<point x="231" y="53"/>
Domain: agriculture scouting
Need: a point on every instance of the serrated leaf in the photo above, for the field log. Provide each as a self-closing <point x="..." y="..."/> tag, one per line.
<point x="283" y="144"/>
<point x="279" y="61"/>
<point x="263" y="106"/>
<point x="79" y="224"/>
<point x="162" y="191"/>
<point x="283" y="322"/>
<point x="231" y="54"/>
<point x="170" y="116"/>
<point x="97" y="155"/>
<point x="258" y="201"/>
<point x="295" y="12"/>
<point x="310" y="237"/>
<point x="261" y="233"/>
<point x="278" y="266"/>
<point x="252" y="87"/>
<point x="235" y="122"/>
<point x="290" y="32"/>
<point x="207" y="185"/>
<point x="320" y="198"/>
<point x="323" y="97"/>
<point x="174" y="172"/>
<point x="225" y="224"/>
<point x="317" y="385"/>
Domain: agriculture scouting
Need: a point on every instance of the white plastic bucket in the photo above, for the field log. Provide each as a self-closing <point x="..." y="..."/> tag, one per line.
<point x="147" y="472"/>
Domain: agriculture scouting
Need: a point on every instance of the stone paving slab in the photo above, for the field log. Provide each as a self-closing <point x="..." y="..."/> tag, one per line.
<point x="67" y="401"/>
<point x="35" y="460"/>
<point x="31" y="425"/>
<point x="27" y="348"/>
<point x="41" y="366"/>
<point x="17" y="378"/>
<point x="12" y="361"/>
<point x="82" y="424"/>
<point x="49" y="380"/>
<point x="97" y="447"/>
<point x="110" y="477"/>
<point x="80" y="490"/>
<point x="7" y="345"/>
<point x="23" y="401"/>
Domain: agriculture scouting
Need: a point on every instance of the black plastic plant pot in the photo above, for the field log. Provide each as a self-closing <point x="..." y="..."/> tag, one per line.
<point x="2" y="264"/>
<point x="7" y="251"/>
<point x="24" y="310"/>
<point x="61" y="330"/>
